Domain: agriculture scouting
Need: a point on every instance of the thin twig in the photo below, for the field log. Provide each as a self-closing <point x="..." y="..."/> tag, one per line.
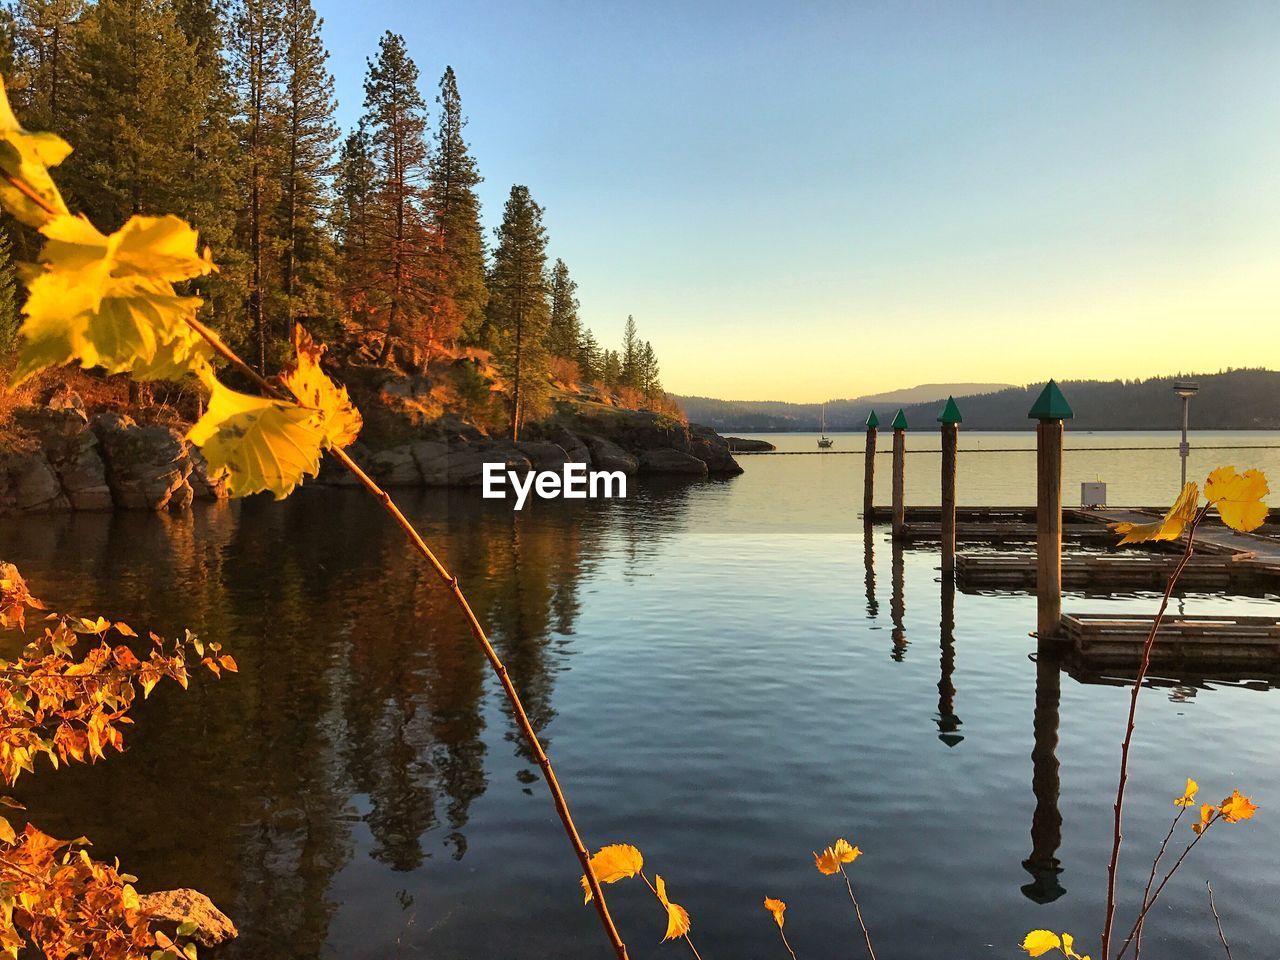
<point x="477" y="631"/>
<point x="858" y="910"/>
<point x="1154" y="865"/>
<point x="786" y="943"/>
<point x="1218" y="920"/>
<point x="1146" y="908"/>
<point x="1117" y="833"/>
<point x="685" y="936"/>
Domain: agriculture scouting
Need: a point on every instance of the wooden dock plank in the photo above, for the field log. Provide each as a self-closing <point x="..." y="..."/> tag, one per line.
<point x="1118" y="638"/>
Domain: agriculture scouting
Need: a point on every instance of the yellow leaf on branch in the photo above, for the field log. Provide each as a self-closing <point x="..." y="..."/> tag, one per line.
<point x="618" y="861"/>
<point x="1238" y="497"/>
<point x="1237" y="807"/>
<point x="830" y="860"/>
<point x="777" y="908"/>
<point x="256" y="444"/>
<point x="26" y="157"/>
<point x="678" y="923"/>
<point x="108" y="300"/>
<point x="1039" y="942"/>
<point x="339" y="419"/>
<point x="1189" y="795"/>
<point x="1169" y="527"/>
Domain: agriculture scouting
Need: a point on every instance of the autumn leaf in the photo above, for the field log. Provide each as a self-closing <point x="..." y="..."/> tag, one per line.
<point x="1169" y="527"/>
<point x="678" y="924"/>
<point x="1207" y="812"/>
<point x="1039" y="942"/>
<point x="618" y="861"/>
<point x="1068" y="947"/>
<point x="255" y="443"/>
<point x="340" y="420"/>
<point x="1238" y="497"/>
<point x="777" y="908"/>
<point x="830" y="860"/>
<point x="1188" y="795"/>
<point x="108" y="300"/>
<point x="25" y="157"/>
<point x="1236" y="808"/>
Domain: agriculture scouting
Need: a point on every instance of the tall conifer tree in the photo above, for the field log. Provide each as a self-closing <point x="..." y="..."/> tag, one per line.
<point x="354" y="190"/>
<point x="518" y="309"/>
<point x="563" y="334"/>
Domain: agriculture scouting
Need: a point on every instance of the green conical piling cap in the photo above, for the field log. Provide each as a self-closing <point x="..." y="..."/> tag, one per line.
<point x="950" y="413"/>
<point x="1050" y="405"/>
<point x="873" y="421"/>
<point x="900" y="421"/>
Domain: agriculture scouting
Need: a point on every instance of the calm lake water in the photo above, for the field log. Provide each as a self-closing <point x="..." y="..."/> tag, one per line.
<point x="727" y="674"/>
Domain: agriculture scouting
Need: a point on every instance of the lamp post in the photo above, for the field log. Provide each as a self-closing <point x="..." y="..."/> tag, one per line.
<point x="1186" y="389"/>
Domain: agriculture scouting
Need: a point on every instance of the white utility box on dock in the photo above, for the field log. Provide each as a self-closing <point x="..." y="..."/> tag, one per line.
<point x="1093" y="494"/>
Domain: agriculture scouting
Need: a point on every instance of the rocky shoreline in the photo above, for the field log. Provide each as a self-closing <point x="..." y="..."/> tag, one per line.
<point x="63" y="457"/>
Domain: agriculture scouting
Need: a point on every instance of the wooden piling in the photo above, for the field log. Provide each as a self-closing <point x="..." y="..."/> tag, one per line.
<point x="950" y="419"/>
<point x="1050" y="410"/>
<point x="869" y="469"/>
<point x="899" y="468"/>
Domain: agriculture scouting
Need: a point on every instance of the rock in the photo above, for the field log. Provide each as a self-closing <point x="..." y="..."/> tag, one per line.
<point x="185" y="905"/>
<point x="672" y="461"/>
<point x="202" y="486"/>
<point x="713" y="450"/>
<point x="543" y="454"/>
<point x="462" y="465"/>
<point x="607" y="455"/>
<point x="574" y="449"/>
<point x="147" y="466"/>
<point x="71" y="449"/>
<point x="741" y="444"/>
<point x="396" y="467"/>
<point x="63" y="397"/>
<point x="28" y="482"/>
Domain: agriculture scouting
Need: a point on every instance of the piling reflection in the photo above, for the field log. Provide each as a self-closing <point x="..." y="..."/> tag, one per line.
<point x="898" y="603"/>
<point x="948" y="722"/>
<point x="1046" y="821"/>
<point x="869" y="561"/>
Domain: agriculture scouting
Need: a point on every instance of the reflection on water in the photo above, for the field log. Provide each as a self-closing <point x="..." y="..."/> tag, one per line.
<point x="721" y="699"/>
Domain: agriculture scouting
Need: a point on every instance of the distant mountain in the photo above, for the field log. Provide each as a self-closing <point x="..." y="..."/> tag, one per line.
<point x="1231" y="400"/>
<point x="769" y="416"/>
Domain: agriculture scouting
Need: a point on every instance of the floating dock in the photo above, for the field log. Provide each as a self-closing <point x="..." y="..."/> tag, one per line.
<point x="1118" y="638"/>
<point x="1114" y="571"/>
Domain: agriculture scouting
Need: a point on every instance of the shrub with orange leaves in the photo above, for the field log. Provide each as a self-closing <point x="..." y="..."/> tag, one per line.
<point x="54" y="897"/>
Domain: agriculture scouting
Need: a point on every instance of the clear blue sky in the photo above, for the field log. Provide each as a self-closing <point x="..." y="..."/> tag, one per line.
<point x="809" y="200"/>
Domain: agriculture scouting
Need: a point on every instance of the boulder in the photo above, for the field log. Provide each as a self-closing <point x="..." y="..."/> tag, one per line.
<point x="28" y="482"/>
<point x="202" y="485"/>
<point x="396" y="467"/>
<point x="147" y="466"/>
<point x="71" y="449"/>
<point x="713" y="450"/>
<point x="543" y="454"/>
<point x="607" y="455"/>
<point x="672" y="461"/>
<point x="745" y="445"/>
<point x="185" y="905"/>
<point x="462" y="465"/>
<point x="575" y="450"/>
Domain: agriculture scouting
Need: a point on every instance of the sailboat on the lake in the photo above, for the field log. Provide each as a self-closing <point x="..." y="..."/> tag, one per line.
<point x="825" y="442"/>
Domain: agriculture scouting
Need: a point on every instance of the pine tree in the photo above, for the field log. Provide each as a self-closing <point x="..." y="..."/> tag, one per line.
<point x="611" y="369"/>
<point x="309" y="134"/>
<point x="460" y="289"/>
<point x="43" y="44"/>
<point x="648" y="373"/>
<point x="518" y="310"/>
<point x="589" y="359"/>
<point x="354" y="190"/>
<point x="396" y="118"/>
<point x="9" y="316"/>
<point x="257" y="64"/>
<point x="563" y="334"/>
<point x="629" y="373"/>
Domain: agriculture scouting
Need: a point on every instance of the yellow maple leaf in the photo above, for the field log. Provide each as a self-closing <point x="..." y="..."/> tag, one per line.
<point x="256" y="444"/>
<point x="678" y="923"/>
<point x="1237" y="807"/>
<point x="1238" y="497"/>
<point x="1168" y="527"/>
<point x="1207" y="812"/>
<point x="340" y="420"/>
<point x="108" y="300"/>
<point x="1189" y="795"/>
<point x="830" y="859"/>
<point x="777" y="908"/>
<point x="26" y="157"/>
<point x="617" y="861"/>
<point x="1039" y="942"/>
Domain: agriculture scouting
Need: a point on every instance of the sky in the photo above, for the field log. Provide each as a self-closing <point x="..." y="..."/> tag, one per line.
<point x="802" y="201"/>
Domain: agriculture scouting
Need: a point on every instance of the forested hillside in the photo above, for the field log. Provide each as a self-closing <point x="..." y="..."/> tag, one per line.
<point x="223" y="113"/>
<point x="1231" y="400"/>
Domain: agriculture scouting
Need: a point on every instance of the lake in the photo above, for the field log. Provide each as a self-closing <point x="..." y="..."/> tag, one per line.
<point x="727" y="674"/>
